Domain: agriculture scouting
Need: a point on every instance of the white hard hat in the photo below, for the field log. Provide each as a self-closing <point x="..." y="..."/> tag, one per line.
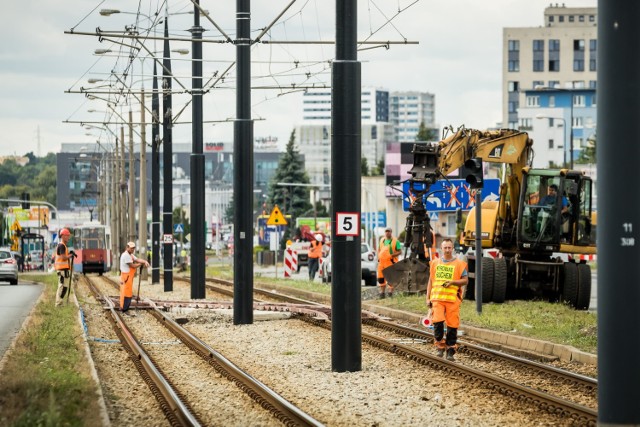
<point x="319" y="237"/>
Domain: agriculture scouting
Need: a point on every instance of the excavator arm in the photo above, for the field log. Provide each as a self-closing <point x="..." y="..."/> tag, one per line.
<point x="436" y="161"/>
<point x="505" y="146"/>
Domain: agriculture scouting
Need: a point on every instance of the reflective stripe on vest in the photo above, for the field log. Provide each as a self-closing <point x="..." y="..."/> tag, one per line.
<point x="61" y="264"/>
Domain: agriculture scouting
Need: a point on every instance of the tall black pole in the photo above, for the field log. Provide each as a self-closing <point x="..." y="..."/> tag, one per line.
<point x="197" y="164"/>
<point x="478" y="272"/>
<point x="618" y="152"/>
<point x="167" y="156"/>
<point x="243" y="172"/>
<point x="155" y="181"/>
<point x="346" y="329"/>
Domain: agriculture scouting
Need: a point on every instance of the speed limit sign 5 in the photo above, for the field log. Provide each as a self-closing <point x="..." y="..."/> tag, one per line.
<point x="347" y="223"/>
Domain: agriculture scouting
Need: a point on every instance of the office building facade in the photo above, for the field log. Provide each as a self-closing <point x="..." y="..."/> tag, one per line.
<point x="560" y="54"/>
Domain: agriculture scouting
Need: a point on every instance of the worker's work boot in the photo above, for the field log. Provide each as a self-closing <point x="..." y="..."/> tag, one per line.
<point x="440" y="352"/>
<point x="391" y="294"/>
<point x="450" y="353"/>
<point x="381" y="295"/>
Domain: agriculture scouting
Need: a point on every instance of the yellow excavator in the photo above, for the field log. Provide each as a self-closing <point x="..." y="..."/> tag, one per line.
<point x="540" y="224"/>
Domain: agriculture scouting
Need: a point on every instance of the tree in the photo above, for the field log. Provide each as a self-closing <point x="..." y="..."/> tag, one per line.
<point x="293" y="200"/>
<point x="426" y="134"/>
<point x="364" y="167"/>
<point x="588" y="153"/>
<point x="378" y="169"/>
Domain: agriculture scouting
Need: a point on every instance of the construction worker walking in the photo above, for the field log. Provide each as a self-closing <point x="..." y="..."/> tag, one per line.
<point x="128" y="266"/>
<point x="388" y="252"/>
<point x="315" y="253"/>
<point x="447" y="282"/>
<point x="62" y="265"/>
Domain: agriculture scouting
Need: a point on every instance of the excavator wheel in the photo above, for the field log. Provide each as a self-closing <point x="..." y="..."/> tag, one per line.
<point x="584" y="287"/>
<point x="487" y="279"/>
<point x="499" y="280"/>
<point x="570" y="284"/>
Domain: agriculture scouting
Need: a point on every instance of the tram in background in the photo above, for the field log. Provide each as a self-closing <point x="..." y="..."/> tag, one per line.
<point x="91" y="244"/>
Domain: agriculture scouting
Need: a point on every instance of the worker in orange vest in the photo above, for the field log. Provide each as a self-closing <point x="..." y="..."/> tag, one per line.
<point x="388" y="252"/>
<point x="315" y="253"/>
<point x="447" y="281"/>
<point x="62" y="265"/>
<point x="129" y="263"/>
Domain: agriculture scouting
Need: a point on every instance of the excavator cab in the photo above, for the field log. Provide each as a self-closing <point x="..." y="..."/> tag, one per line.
<point x="555" y="211"/>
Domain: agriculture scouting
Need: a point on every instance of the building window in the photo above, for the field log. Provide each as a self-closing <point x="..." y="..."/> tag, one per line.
<point x="578" y="100"/>
<point x="554" y="83"/>
<point x="578" y="65"/>
<point x="538" y="83"/>
<point x="514" y="65"/>
<point x="593" y="100"/>
<point x="513" y="106"/>
<point x="538" y="45"/>
<point x="550" y="144"/>
<point x="578" y="45"/>
<point x="513" y="125"/>
<point x="552" y="101"/>
<point x="578" y="122"/>
<point x="592" y="18"/>
<point x="561" y="18"/>
<point x="571" y="18"/>
<point x="593" y="84"/>
<point x="538" y="65"/>
<point x="577" y="84"/>
<point x="554" y="65"/>
<point x="526" y="124"/>
<point x="514" y="45"/>
<point x="513" y="86"/>
<point x="551" y="18"/>
<point x="554" y="45"/>
<point x="592" y="64"/>
<point x="532" y="101"/>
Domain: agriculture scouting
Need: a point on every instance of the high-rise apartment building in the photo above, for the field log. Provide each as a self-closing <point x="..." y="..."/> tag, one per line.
<point x="560" y="54"/>
<point x="407" y="110"/>
<point x="314" y="134"/>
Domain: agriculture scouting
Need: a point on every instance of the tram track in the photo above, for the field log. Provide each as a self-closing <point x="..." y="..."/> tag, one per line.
<point x="411" y="344"/>
<point x="173" y="401"/>
<point x="536" y="383"/>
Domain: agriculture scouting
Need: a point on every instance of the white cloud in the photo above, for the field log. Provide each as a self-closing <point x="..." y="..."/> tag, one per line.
<point x="458" y="59"/>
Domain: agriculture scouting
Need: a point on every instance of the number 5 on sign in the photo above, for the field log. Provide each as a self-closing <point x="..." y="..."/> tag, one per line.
<point x="347" y="223"/>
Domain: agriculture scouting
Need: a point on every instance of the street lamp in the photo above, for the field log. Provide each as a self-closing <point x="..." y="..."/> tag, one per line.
<point x="564" y="143"/>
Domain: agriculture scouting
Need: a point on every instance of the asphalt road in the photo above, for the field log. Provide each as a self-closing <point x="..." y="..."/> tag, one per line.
<point x="15" y="304"/>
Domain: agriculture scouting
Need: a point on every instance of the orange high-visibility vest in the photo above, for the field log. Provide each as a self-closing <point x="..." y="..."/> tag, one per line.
<point x="316" y="250"/>
<point x="385" y="251"/>
<point x="62" y="264"/>
<point x="440" y="272"/>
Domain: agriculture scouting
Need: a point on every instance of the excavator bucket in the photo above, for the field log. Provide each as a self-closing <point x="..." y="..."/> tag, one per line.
<point x="408" y="275"/>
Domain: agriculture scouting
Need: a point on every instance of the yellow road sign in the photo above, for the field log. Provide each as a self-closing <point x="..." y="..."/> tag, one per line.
<point x="276" y="217"/>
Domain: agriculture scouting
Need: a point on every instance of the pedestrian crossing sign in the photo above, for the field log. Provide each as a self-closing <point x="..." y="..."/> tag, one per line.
<point x="276" y="217"/>
<point x="178" y="228"/>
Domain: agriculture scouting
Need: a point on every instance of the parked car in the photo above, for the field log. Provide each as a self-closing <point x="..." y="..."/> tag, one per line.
<point x="368" y="265"/>
<point x="8" y="267"/>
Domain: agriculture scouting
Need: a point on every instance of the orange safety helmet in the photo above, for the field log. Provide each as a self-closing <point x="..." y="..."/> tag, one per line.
<point x="65" y="232"/>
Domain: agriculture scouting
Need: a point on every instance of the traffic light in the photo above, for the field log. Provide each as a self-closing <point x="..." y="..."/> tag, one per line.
<point x="474" y="172"/>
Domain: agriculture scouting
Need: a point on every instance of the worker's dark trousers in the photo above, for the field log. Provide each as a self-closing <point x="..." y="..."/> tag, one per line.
<point x="438" y="334"/>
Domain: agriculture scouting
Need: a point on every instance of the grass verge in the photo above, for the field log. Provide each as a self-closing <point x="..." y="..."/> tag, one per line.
<point x="46" y="379"/>
<point x="555" y="323"/>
